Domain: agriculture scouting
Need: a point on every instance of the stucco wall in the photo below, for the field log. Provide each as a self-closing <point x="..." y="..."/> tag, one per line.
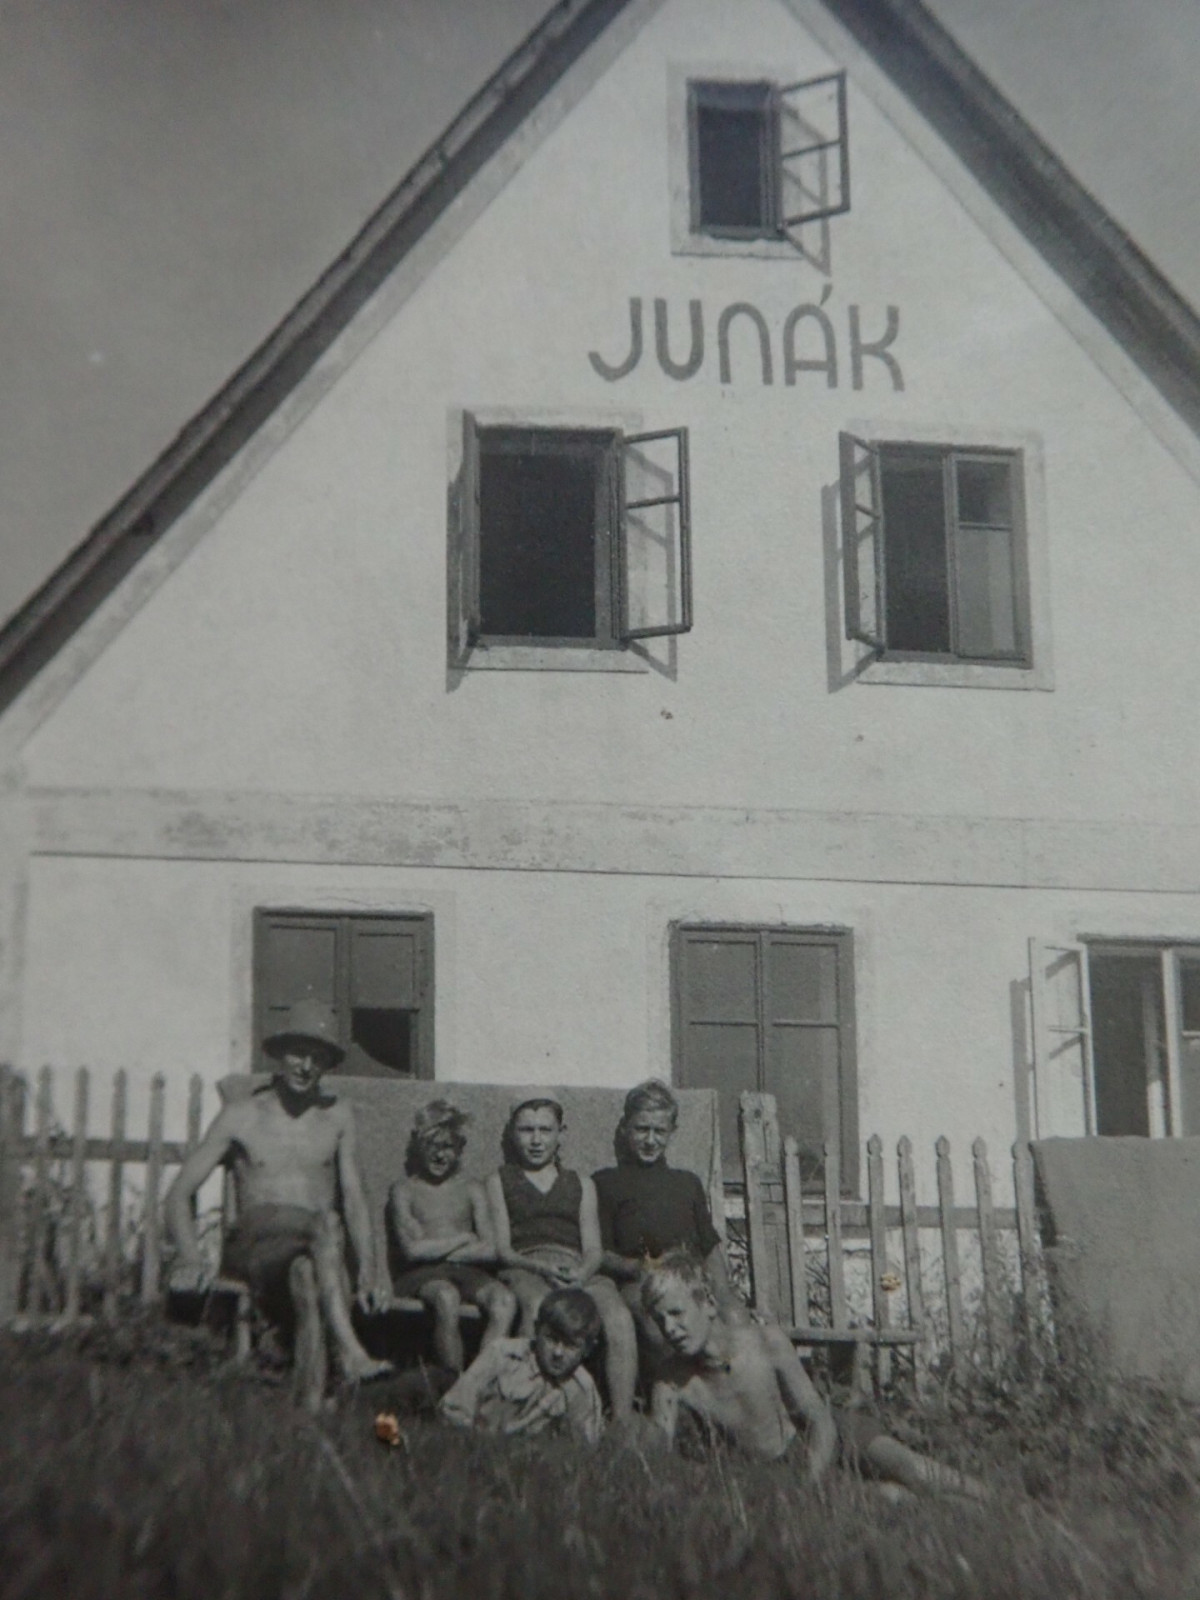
<point x="301" y="646"/>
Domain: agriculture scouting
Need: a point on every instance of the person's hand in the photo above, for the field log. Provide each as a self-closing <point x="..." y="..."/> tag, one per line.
<point x="566" y="1276"/>
<point x="371" y="1299"/>
<point x="189" y="1277"/>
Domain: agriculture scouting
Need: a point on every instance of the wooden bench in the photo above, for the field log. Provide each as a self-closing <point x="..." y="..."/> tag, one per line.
<point x="384" y="1109"/>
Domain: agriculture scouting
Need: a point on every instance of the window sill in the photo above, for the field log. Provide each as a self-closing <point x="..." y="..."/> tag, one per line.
<point x="556" y="658"/>
<point x="954" y="675"/>
<point x="710" y="244"/>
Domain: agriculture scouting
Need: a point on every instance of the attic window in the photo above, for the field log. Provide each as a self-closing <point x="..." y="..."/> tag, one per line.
<point x="765" y="159"/>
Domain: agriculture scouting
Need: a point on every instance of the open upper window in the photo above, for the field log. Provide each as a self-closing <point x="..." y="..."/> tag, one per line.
<point x="765" y="158"/>
<point x="570" y="537"/>
<point x="376" y="972"/>
<point x="936" y="554"/>
<point x="1116" y="1035"/>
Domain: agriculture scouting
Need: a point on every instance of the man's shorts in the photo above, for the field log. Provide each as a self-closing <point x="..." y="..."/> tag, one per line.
<point x="260" y="1248"/>
<point x="467" y="1279"/>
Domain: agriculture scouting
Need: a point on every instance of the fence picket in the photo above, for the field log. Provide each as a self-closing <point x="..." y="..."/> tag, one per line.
<point x="988" y="1253"/>
<point x="116" y="1190"/>
<point x="954" y="1308"/>
<point x="839" y="1314"/>
<point x="39" y="1286"/>
<point x="754" y="1164"/>
<point x="195" y="1091"/>
<point x="76" y="1196"/>
<point x="152" y="1221"/>
<point x="11" y="1105"/>
<point x="1027" y="1249"/>
<point x="913" y="1291"/>
<point x="794" y="1202"/>
<point x="879" y="1259"/>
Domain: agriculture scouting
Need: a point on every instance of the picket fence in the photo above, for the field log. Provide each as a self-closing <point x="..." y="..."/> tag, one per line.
<point x="78" y="1236"/>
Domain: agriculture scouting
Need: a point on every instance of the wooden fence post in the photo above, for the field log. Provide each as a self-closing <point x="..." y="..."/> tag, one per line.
<point x="116" y="1191"/>
<point x="910" y="1233"/>
<point x="1027" y="1247"/>
<point x="76" y="1196"/>
<point x="839" y="1311"/>
<point x="11" y="1104"/>
<point x="761" y="1161"/>
<point x="988" y="1254"/>
<point x="39" y="1287"/>
<point x="877" y="1228"/>
<point x="793" y="1197"/>
<point x="151" y="1220"/>
<point x="954" y="1310"/>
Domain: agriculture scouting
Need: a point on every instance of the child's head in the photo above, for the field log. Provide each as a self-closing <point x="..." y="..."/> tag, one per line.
<point x="533" y="1132"/>
<point x="567" y="1328"/>
<point x="437" y="1140"/>
<point x="647" y="1122"/>
<point x="678" y="1295"/>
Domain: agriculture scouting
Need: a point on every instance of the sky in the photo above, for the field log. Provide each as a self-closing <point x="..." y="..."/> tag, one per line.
<point x="175" y="173"/>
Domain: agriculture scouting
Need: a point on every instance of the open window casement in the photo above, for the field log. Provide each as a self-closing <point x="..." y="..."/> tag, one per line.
<point x="464" y="547"/>
<point x="813" y="159"/>
<point x="654" y="557"/>
<point x="1063" y="1069"/>
<point x="862" y="540"/>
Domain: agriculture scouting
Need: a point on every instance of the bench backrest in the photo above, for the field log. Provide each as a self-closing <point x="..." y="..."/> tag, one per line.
<point x="385" y="1107"/>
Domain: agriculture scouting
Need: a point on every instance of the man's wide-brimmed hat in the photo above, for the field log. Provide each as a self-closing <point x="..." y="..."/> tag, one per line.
<point x="307" y="1021"/>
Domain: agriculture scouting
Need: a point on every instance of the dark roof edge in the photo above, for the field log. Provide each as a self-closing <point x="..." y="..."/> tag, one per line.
<point x="35" y="633"/>
<point x="1094" y="255"/>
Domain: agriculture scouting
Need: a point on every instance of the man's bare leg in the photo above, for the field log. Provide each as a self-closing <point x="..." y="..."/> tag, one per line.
<point x="499" y="1306"/>
<point x="310" y="1356"/>
<point x="530" y="1289"/>
<point x="896" y="1463"/>
<point x="355" y="1363"/>
<point x="443" y="1299"/>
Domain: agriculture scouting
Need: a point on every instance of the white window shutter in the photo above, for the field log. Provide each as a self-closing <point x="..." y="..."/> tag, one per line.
<point x="1064" y="1082"/>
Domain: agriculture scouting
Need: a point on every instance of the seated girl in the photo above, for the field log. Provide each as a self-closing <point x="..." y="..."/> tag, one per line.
<point x="547" y="1236"/>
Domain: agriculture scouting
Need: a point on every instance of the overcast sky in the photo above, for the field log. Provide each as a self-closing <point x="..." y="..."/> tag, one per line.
<point x="175" y="173"/>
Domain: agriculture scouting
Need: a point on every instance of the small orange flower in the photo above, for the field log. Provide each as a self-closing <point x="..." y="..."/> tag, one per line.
<point x="387" y="1429"/>
<point x="890" y="1281"/>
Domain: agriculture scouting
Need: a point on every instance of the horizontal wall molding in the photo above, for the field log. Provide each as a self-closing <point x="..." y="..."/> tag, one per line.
<point x="666" y="841"/>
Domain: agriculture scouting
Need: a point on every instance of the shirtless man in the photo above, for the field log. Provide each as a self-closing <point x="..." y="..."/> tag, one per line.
<point x="291" y="1148"/>
<point x="744" y="1382"/>
<point x="441" y="1222"/>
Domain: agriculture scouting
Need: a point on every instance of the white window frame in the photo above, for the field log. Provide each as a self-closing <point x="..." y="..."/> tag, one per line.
<point x="485" y="655"/>
<point x="685" y="239"/>
<point x="867" y="667"/>
<point x="1062" y="1052"/>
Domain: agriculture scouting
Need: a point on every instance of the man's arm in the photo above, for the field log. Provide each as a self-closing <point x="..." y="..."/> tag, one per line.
<point x="416" y="1244"/>
<point x="589" y="1231"/>
<point x="480" y="1246"/>
<point x="356" y="1215"/>
<point x="189" y="1272"/>
<point x="803" y="1402"/>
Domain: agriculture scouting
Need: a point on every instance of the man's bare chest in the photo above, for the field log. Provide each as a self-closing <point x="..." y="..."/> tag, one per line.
<point x="443" y="1206"/>
<point x="270" y="1140"/>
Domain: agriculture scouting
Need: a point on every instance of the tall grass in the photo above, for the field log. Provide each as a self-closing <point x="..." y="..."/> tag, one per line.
<point x="134" y="1463"/>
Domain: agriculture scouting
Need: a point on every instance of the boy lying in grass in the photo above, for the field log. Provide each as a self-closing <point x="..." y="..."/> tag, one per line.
<point x="440" y="1220"/>
<point x="529" y="1385"/>
<point x="743" y="1381"/>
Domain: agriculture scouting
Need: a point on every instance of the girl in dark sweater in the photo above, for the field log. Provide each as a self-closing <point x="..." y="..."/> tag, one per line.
<point x="548" y="1236"/>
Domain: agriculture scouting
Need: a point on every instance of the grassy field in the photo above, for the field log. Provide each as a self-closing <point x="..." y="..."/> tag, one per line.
<point x="133" y="1464"/>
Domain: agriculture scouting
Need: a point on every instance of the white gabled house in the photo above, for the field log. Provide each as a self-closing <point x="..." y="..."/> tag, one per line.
<point x="706" y="586"/>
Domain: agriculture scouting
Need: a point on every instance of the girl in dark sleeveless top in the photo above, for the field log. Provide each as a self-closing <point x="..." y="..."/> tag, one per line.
<point x="547" y="1233"/>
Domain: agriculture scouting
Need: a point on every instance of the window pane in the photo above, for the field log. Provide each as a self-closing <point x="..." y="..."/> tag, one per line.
<point x="914" y="531"/>
<point x="801" y="982"/>
<point x="731" y="146"/>
<point x="381" y="1043"/>
<point x="723" y="1057"/>
<point x="987" y="602"/>
<point x="383" y="966"/>
<point x="1189" y="995"/>
<point x="985" y="493"/>
<point x="537" y="544"/>
<point x="802" y="1074"/>
<point x="720" y="982"/>
<point x="1126" y="1027"/>
<point x="298" y="962"/>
